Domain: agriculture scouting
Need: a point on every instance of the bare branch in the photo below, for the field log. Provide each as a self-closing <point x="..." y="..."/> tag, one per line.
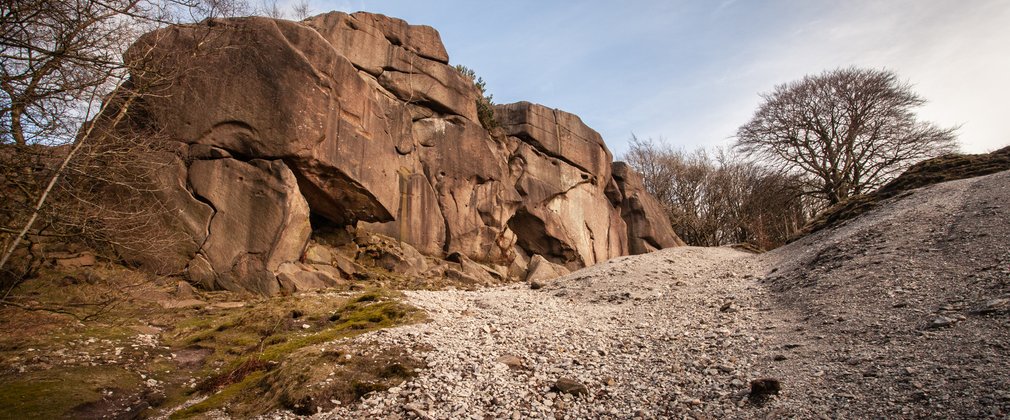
<point x="847" y="131"/>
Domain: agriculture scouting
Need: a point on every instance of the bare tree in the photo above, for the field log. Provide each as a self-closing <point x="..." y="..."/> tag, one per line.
<point x="203" y="9"/>
<point x="53" y="56"/>
<point x="301" y="9"/>
<point x="270" y="8"/>
<point x="847" y="130"/>
<point x="72" y="170"/>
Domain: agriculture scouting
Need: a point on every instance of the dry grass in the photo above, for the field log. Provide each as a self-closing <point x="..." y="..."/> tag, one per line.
<point x="932" y="171"/>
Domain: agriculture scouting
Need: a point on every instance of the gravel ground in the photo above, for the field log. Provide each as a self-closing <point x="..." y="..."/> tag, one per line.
<point x="675" y="336"/>
<point x="901" y="313"/>
<point x="905" y="310"/>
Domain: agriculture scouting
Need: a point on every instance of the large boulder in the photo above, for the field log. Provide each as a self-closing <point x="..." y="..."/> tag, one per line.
<point x="542" y="271"/>
<point x="649" y="227"/>
<point x="298" y="277"/>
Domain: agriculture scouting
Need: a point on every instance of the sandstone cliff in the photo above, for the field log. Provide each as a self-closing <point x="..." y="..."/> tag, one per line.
<point x="359" y="122"/>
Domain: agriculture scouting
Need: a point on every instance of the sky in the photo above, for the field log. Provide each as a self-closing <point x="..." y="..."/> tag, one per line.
<point x="690" y="72"/>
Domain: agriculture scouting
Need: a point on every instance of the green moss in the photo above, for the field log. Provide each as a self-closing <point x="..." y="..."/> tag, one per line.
<point x="270" y="332"/>
<point x="354" y="319"/>
<point x="57" y="392"/>
<point x="252" y="342"/>
<point x="221" y="398"/>
<point x="368" y="297"/>
<point x="313" y="377"/>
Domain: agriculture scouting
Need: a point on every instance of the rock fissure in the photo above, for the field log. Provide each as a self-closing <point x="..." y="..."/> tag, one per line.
<point x="210" y="219"/>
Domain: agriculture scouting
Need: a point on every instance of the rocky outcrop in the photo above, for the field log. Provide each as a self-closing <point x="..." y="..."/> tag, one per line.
<point x="358" y="122"/>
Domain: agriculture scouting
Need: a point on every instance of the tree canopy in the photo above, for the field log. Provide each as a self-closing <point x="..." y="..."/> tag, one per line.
<point x="847" y="130"/>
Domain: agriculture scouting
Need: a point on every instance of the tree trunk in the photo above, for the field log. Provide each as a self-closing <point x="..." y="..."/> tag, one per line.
<point x="17" y="131"/>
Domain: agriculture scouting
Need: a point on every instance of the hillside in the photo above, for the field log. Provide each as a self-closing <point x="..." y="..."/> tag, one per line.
<point x="928" y="172"/>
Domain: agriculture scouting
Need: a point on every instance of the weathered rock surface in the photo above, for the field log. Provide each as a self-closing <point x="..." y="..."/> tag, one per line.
<point x="185" y="218"/>
<point x="407" y="60"/>
<point x="260" y="220"/>
<point x="298" y="277"/>
<point x="565" y="214"/>
<point x="648" y="226"/>
<point x="363" y="116"/>
<point x="396" y="257"/>
<point x="275" y="89"/>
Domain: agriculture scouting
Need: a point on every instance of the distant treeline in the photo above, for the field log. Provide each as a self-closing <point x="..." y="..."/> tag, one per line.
<point x="722" y="198"/>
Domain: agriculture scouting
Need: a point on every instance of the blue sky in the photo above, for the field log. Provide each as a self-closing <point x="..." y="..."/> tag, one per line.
<point x="690" y="72"/>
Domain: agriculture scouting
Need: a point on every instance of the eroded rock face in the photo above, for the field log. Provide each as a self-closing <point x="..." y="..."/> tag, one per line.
<point x="649" y="227"/>
<point x="359" y="121"/>
<point x="185" y="218"/>
<point x="565" y="215"/>
<point x="476" y="193"/>
<point x="275" y="89"/>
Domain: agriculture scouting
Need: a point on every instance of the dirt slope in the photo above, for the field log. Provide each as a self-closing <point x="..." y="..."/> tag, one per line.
<point x="899" y="313"/>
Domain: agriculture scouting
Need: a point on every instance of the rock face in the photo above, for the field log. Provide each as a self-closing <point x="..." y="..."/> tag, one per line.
<point x="261" y="221"/>
<point x="359" y="121"/>
<point x="648" y="226"/>
<point x="562" y="169"/>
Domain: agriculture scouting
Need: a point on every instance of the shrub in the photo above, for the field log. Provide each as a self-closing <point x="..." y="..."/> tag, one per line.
<point x="485" y="105"/>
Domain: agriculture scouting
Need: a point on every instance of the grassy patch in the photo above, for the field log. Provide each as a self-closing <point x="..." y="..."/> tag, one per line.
<point x="53" y="365"/>
<point x="315" y="377"/>
<point x="58" y="392"/>
<point x="221" y="398"/>
<point x="225" y="353"/>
